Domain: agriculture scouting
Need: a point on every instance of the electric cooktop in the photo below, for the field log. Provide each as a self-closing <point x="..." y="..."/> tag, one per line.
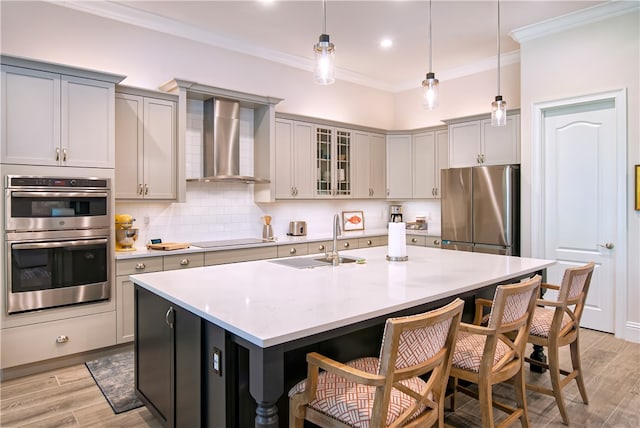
<point x="227" y="243"/>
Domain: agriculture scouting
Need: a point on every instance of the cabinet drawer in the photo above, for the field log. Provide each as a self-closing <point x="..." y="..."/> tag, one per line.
<point x="243" y="255"/>
<point x="417" y="240"/>
<point x="372" y="241"/>
<point x="37" y="342"/>
<point x="293" y="250"/>
<point x="433" y="241"/>
<point x="183" y="261"/>
<point x="139" y="265"/>
<point x="320" y="247"/>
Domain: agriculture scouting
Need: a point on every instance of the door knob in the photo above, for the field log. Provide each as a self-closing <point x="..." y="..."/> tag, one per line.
<point x="608" y="245"/>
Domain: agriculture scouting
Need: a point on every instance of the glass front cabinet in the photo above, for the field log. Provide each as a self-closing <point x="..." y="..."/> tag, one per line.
<point x="333" y="162"/>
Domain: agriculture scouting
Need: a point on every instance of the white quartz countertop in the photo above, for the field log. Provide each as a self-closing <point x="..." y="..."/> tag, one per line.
<point x="268" y="304"/>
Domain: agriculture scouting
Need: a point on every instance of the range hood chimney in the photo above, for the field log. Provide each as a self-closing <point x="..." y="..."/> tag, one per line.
<point x="221" y="145"/>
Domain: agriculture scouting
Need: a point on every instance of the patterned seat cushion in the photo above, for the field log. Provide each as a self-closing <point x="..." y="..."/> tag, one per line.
<point x="469" y="348"/>
<point x="541" y="321"/>
<point x="352" y="403"/>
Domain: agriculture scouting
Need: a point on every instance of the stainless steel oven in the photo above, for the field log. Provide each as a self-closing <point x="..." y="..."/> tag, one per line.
<point x="57" y="241"/>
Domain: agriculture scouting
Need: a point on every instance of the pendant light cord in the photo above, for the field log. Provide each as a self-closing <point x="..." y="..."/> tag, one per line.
<point x="430" y="40"/>
<point x="498" y="38"/>
<point x="324" y="17"/>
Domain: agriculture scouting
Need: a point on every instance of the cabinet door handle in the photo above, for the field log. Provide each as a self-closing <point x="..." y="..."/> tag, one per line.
<point x="346" y="245"/>
<point x="608" y="245"/>
<point x="168" y="317"/>
<point x="414" y="240"/>
<point x="184" y="262"/>
<point x="140" y="189"/>
<point x="436" y="189"/>
<point x="140" y="266"/>
<point x="146" y="189"/>
<point x="64" y="155"/>
<point x="62" y="339"/>
<point x="369" y="242"/>
<point x="57" y="154"/>
<point x="436" y="242"/>
<point x="387" y="192"/>
<point x="321" y="248"/>
<point x="292" y="251"/>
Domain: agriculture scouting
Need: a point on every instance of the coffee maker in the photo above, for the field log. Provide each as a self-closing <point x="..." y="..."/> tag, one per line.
<point x="395" y="214"/>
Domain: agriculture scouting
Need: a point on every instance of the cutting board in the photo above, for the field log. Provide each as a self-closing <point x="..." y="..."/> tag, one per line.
<point x="168" y="246"/>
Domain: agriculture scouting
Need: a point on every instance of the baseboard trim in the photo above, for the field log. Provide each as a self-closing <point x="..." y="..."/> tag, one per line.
<point x="632" y="332"/>
<point x="56" y="363"/>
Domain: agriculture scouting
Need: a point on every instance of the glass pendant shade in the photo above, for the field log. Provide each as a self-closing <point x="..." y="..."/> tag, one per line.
<point x="430" y="86"/>
<point x="325" y="57"/>
<point x="498" y="112"/>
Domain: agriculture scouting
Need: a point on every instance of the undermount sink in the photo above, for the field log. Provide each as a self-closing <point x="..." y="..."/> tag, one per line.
<point x="310" y="262"/>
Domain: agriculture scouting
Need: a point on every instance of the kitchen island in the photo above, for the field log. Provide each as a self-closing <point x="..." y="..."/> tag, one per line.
<point x="249" y="325"/>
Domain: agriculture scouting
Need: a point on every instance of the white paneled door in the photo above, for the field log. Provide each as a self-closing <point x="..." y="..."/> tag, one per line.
<point x="580" y="205"/>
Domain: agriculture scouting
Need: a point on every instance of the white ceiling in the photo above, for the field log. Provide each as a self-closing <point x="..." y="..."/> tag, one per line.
<point x="464" y="32"/>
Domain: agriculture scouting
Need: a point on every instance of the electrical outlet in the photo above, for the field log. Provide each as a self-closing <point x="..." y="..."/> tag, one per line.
<point x="217" y="361"/>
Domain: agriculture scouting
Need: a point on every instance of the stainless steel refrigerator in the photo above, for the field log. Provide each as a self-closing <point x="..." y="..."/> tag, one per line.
<point x="481" y="209"/>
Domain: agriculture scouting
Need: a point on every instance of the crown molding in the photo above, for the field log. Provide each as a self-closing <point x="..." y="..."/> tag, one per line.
<point x="575" y="19"/>
<point x="129" y="15"/>
<point x="479" y="66"/>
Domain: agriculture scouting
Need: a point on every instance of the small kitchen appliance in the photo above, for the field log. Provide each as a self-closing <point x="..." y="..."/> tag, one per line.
<point x="297" y="228"/>
<point x="126" y="234"/>
<point x="395" y="214"/>
<point x="267" y="229"/>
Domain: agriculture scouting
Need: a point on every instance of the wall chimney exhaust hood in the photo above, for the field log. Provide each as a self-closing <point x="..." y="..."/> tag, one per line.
<point x="221" y="143"/>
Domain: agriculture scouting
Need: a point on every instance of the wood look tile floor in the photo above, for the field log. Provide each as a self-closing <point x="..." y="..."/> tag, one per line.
<point x="69" y="397"/>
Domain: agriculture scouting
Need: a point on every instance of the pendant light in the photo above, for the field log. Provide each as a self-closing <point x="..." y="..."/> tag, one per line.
<point x="499" y="106"/>
<point x="430" y="84"/>
<point x="325" y="54"/>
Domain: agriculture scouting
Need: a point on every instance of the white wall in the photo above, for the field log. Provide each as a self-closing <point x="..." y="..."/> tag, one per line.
<point x="465" y="96"/>
<point x="598" y="57"/>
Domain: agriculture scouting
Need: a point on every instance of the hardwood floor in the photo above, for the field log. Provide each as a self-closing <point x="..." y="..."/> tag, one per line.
<point x="69" y="397"/>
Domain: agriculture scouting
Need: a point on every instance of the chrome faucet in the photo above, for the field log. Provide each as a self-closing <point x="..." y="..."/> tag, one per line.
<point x="335" y="257"/>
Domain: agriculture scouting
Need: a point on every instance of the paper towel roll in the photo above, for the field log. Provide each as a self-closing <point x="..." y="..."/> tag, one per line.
<point x="397" y="240"/>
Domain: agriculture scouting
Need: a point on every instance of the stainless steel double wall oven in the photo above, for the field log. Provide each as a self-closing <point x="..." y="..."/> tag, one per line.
<point x="57" y="238"/>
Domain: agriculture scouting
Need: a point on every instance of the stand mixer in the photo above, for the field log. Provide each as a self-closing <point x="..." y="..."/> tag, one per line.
<point x="126" y="234"/>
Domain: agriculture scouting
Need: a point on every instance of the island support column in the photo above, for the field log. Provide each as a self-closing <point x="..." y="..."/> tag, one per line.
<point x="266" y="383"/>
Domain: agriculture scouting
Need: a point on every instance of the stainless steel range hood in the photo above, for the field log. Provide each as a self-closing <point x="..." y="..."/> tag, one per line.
<point x="221" y="143"/>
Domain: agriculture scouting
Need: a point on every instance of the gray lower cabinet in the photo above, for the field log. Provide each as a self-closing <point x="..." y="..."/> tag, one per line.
<point x="168" y="355"/>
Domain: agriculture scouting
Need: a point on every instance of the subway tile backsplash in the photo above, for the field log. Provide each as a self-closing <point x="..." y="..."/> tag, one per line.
<point x="221" y="211"/>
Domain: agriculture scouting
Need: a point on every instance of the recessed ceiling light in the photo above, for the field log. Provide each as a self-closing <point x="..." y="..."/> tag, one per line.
<point x="386" y="43"/>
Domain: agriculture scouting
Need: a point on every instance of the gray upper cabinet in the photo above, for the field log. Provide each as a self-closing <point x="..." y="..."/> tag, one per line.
<point x="294" y="159"/>
<point x="146" y="149"/>
<point x="399" y="167"/>
<point x="369" y="166"/>
<point x="54" y="115"/>
<point x="476" y="142"/>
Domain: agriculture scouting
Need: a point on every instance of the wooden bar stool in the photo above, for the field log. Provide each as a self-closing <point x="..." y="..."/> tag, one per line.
<point x="556" y="323"/>
<point x="493" y="354"/>
<point x="403" y="388"/>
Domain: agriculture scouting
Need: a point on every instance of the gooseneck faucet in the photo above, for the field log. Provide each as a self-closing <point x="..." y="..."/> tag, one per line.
<point x="335" y="257"/>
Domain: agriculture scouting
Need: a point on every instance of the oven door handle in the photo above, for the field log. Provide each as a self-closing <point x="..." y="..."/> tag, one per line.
<point x="58" y="244"/>
<point x="59" y="194"/>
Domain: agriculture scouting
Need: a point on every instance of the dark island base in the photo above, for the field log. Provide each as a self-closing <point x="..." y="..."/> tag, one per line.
<point x="190" y="369"/>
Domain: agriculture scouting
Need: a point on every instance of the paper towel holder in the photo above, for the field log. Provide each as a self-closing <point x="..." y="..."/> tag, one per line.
<point x="397" y="258"/>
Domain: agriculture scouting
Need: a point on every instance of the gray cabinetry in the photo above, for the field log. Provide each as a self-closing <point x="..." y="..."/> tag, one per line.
<point x="476" y="142"/>
<point x="294" y="159"/>
<point x="56" y="115"/>
<point x="146" y="149"/>
<point x="369" y="166"/>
